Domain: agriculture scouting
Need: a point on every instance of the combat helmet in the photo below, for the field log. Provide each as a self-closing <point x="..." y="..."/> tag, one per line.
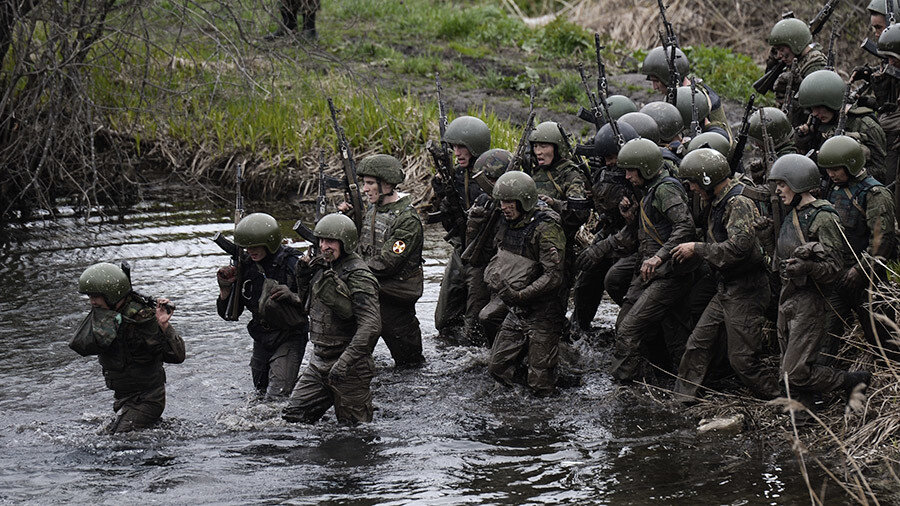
<point x="338" y="227"/>
<point x="517" y="185"/>
<point x="842" y="151"/>
<point x="107" y="280"/>
<point x="667" y="117"/>
<point x="791" y="32"/>
<point x="620" y="105"/>
<point x="799" y="172"/>
<point x="710" y="140"/>
<point x="383" y="167"/>
<point x="548" y="132"/>
<point x="470" y="132"/>
<point x="605" y="143"/>
<point x="493" y="162"/>
<point x="258" y="229"/>
<point x="822" y="87"/>
<point x="778" y="127"/>
<point x="643" y="124"/>
<point x="684" y="105"/>
<point x="889" y="42"/>
<point x="704" y="166"/>
<point x="656" y="64"/>
<point x="878" y="7"/>
<point x="642" y="155"/>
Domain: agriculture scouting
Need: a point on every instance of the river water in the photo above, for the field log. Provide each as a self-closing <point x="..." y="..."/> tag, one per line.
<point x="444" y="434"/>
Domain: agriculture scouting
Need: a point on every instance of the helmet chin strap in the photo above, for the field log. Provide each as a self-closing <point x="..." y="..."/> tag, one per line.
<point x="381" y="194"/>
<point x="796" y="200"/>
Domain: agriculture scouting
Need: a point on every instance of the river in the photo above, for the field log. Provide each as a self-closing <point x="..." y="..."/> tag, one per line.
<point x="443" y="434"/>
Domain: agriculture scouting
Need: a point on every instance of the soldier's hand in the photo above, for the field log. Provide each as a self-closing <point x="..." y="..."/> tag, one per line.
<point x="796" y="268"/>
<point x="225" y="276"/>
<point x="508" y="295"/>
<point x="345" y="207"/>
<point x="648" y="267"/>
<point x="284" y="294"/>
<point x="163" y="313"/>
<point x="853" y="278"/>
<point x="628" y="209"/>
<point x="684" y="251"/>
<point x="802" y="130"/>
<point x="861" y="73"/>
<point x="590" y="257"/>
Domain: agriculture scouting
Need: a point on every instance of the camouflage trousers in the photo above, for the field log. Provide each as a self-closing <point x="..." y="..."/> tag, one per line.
<point x="400" y="331"/>
<point x="531" y="337"/>
<point x="138" y="410"/>
<point x="614" y="275"/>
<point x="314" y="394"/>
<point x="275" y="372"/>
<point x="478" y="297"/>
<point x="738" y="309"/>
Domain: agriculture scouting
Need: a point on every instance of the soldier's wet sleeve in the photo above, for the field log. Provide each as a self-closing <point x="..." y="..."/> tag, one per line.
<point x="867" y="131"/>
<point x="552" y="249"/>
<point x="364" y="296"/>
<point x="406" y="239"/>
<point x="173" y="351"/>
<point x="880" y="220"/>
<point x="740" y="213"/>
<point x="574" y="188"/>
<point x="670" y="201"/>
<point x="826" y="230"/>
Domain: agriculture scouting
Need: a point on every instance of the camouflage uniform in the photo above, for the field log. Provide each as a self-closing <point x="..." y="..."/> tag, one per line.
<point x="342" y="302"/>
<point x="664" y="222"/>
<point x="536" y="317"/>
<point x="562" y="181"/>
<point x="479" y="295"/>
<point x="718" y="121"/>
<point x="861" y="125"/>
<point x="740" y="300"/>
<point x="807" y="63"/>
<point x="391" y="243"/>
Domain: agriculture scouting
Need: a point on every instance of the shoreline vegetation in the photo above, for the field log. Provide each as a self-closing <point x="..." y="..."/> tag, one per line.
<point x="103" y="101"/>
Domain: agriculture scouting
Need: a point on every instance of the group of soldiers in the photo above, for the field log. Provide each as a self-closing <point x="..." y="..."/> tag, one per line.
<point x="698" y="246"/>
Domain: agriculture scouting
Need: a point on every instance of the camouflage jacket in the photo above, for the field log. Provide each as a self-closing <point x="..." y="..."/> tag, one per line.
<point x="563" y="181"/>
<point x="732" y="247"/>
<point x="866" y="209"/>
<point x="391" y="242"/>
<point x="815" y="224"/>
<point x="808" y="63"/>
<point x="537" y="236"/>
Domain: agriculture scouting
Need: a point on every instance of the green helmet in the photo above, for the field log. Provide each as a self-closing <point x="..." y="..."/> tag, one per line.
<point x="107" y="280"/>
<point x="791" y="32"/>
<point x="517" y="185"/>
<point x="799" y="172"/>
<point x="822" y="87"/>
<point x="704" y="166"/>
<point x="620" y="105"/>
<point x="842" y="151"/>
<point x="889" y="42"/>
<point x="470" y="132"/>
<point x="258" y="229"/>
<point x="642" y="155"/>
<point x="338" y="227"/>
<point x="667" y="117"/>
<point x="778" y="127"/>
<point x="493" y="162"/>
<point x="656" y="64"/>
<point x="643" y="125"/>
<point x="878" y="7"/>
<point x="710" y="140"/>
<point x="684" y="105"/>
<point x="383" y="167"/>
<point x="549" y="133"/>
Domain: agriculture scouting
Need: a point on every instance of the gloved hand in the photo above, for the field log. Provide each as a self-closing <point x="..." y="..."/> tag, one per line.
<point x="861" y="73"/>
<point x="225" y="276"/>
<point x="628" y="209"/>
<point x="795" y="268"/>
<point x="510" y="296"/>
<point x="284" y="294"/>
<point x="591" y="256"/>
<point x="853" y="279"/>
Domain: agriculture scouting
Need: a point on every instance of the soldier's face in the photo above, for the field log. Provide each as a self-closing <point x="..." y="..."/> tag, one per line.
<point x="785" y="192"/>
<point x="98" y="301"/>
<point x="634" y="177"/>
<point x="543" y="151"/>
<point x="784" y="54"/>
<point x="877" y="23"/>
<point x="658" y="86"/>
<point x="370" y="188"/>
<point x="697" y="190"/>
<point x="330" y="248"/>
<point x="463" y="156"/>
<point x="257" y="253"/>
<point x="610" y="161"/>
<point x="894" y="61"/>
<point x="822" y="113"/>
<point x="510" y="210"/>
<point x="838" y="174"/>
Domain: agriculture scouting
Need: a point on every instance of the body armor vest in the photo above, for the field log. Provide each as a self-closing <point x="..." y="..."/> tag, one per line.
<point x="795" y="227"/>
<point x="717" y="229"/>
<point x="326" y="330"/>
<point x="281" y="269"/>
<point x="516" y="240"/>
<point x="657" y="225"/>
<point x="129" y="365"/>
<point x="850" y="203"/>
<point x="377" y="228"/>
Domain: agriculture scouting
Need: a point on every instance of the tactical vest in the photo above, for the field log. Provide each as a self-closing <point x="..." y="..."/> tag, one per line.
<point x="550" y="180"/>
<point x="850" y="204"/>
<point x="516" y="240"/>
<point x="129" y="364"/>
<point x="377" y="228"/>
<point x="795" y="227"/>
<point x="282" y="269"/>
<point x="329" y="332"/>
<point x="717" y="229"/>
<point x="654" y="223"/>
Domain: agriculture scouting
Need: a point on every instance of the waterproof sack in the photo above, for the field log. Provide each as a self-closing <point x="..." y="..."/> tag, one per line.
<point x="97" y="332"/>
<point x="330" y="290"/>
<point x="516" y="270"/>
<point x="405" y="287"/>
<point x="278" y="314"/>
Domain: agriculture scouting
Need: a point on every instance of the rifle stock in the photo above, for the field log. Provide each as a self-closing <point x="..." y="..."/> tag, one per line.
<point x="765" y="83"/>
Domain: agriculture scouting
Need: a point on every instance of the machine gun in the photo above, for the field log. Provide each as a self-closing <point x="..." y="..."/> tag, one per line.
<point x="233" y="310"/>
<point x="830" y="55"/>
<point x="595" y="114"/>
<point x="738" y="152"/>
<point x="695" y="115"/>
<point x="146" y="299"/>
<point x="774" y="201"/>
<point x="669" y="41"/>
<point x="349" y="165"/>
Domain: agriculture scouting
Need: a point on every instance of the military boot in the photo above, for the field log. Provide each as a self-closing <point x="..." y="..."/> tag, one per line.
<point x="309" y="26"/>
<point x="855" y="378"/>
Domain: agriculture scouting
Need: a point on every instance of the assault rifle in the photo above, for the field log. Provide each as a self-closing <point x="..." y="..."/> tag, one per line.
<point x="445" y="185"/>
<point x="576" y="157"/>
<point x="320" y="198"/>
<point x="695" y="120"/>
<point x="774" y="200"/>
<point x="593" y="115"/>
<point x="738" y="152"/>
<point x="765" y="83"/>
<point x="842" y="115"/>
<point x="146" y="299"/>
<point x="788" y="105"/>
<point x="614" y="126"/>
<point x="829" y="56"/>
<point x="232" y="311"/>
<point x="349" y="165"/>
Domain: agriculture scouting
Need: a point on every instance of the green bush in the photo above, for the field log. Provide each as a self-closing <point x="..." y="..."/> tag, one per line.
<point x="730" y="74"/>
<point x="562" y="38"/>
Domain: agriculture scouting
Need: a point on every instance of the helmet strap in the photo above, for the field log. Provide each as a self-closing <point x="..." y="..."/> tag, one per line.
<point x="796" y="200"/>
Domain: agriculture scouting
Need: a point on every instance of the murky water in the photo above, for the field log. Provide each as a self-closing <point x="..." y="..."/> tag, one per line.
<point x="444" y="434"/>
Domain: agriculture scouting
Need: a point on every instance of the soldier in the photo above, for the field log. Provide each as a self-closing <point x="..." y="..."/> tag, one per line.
<point x="289" y="10"/>
<point x="527" y="274"/>
<point x="620" y="105"/>
<point x="742" y="293"/>
<point x="866" y="209"/>
<point x="809" y="249"/>
<point x="341" y="295"/>
<point x="644" y="125"/>
<point x="822" y="92"/>
<point x="391" y="244"/>
<point x="660" y="284"/>
<point x="668" y="119"/>
<point x="711" y="140"/>
<point x="278" y="326"/>
<point x="791" y="42"/>
<point x="132" y="338"/>
<point x="559" y="180"/>
<point x="469" y="137"/>
<point x="878" y="16"/>
<point x="779" y="129"/>
<point x="656" y="68"/>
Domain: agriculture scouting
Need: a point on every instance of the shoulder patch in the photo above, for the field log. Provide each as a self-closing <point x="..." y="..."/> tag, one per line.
<point x="398" y="247"/>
